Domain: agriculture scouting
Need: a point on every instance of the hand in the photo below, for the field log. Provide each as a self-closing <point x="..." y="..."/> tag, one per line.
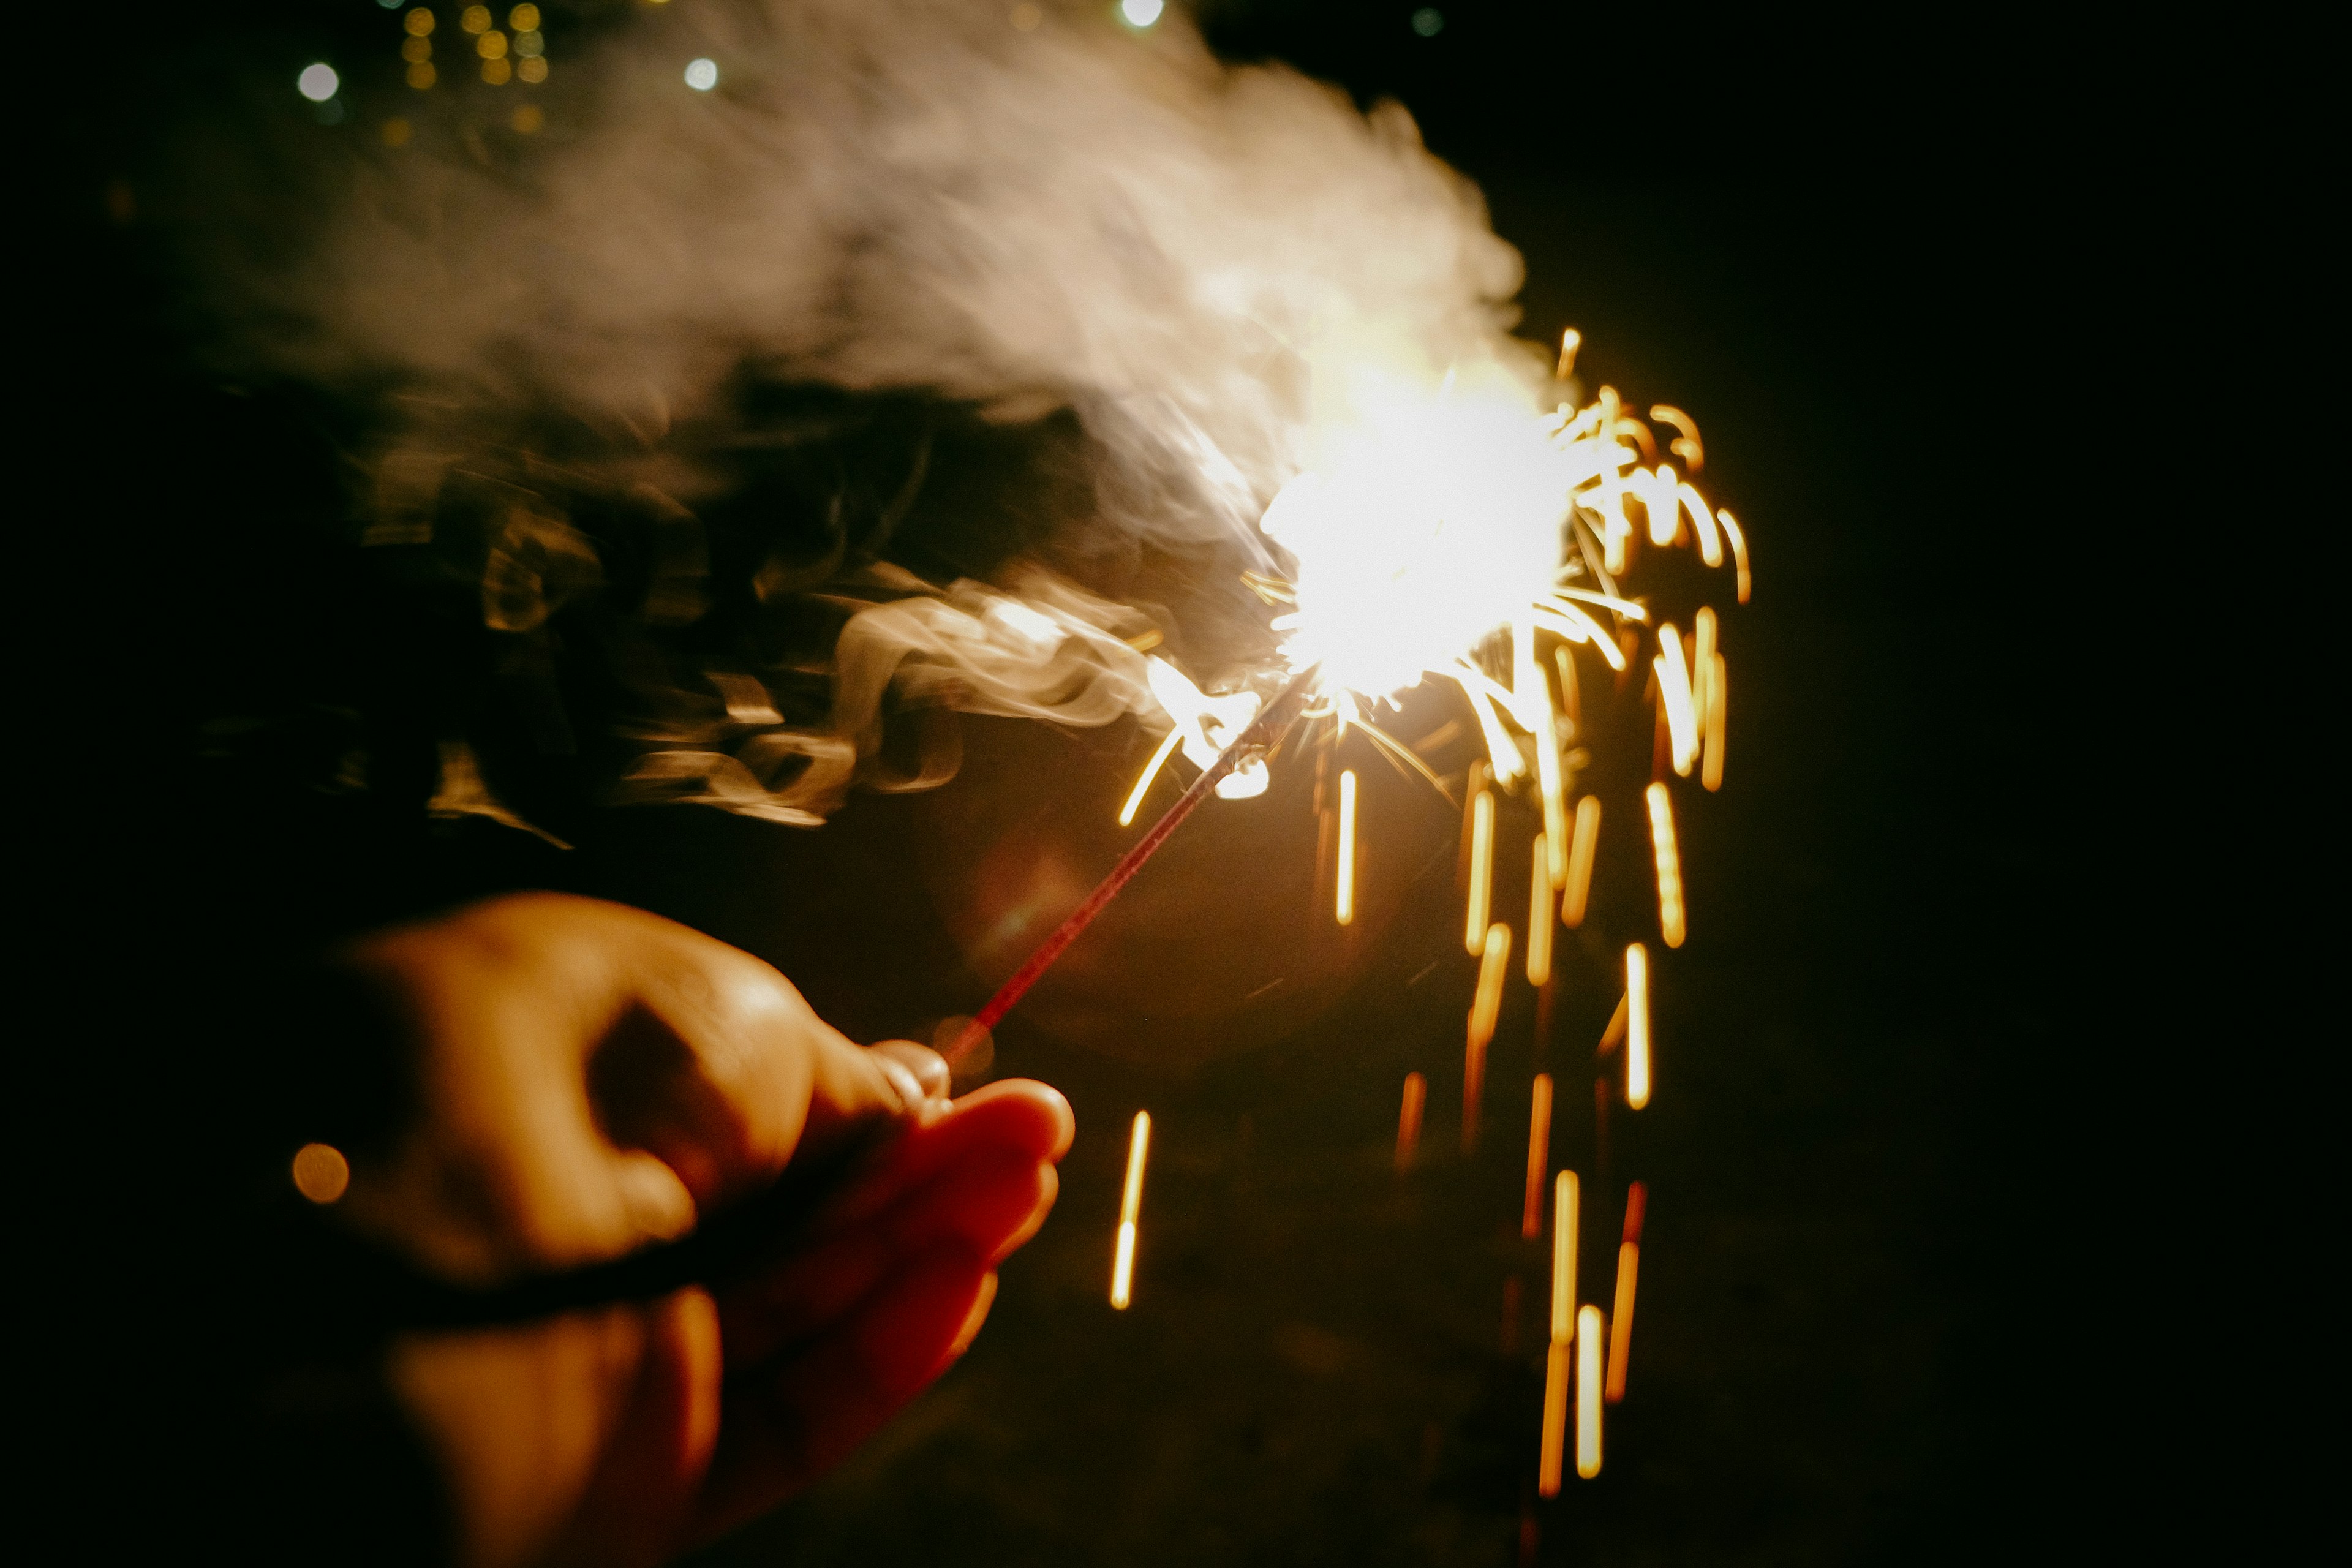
<point x="589" y="1078"/>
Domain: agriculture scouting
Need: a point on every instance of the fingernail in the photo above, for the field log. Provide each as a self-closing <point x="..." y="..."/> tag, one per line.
<point x="927" y="1066"/>
<point x="977" y="1316"/>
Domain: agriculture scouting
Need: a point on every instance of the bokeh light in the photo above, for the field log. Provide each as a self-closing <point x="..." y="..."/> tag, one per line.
<point x="527" y="118"/>
<point x="422" y="74"/>
<point x="321" y="1172"/>
<point x="491" y="46"/>
<point x="523" y="18"/>
<point x="1428" y="21"/>
<point x="702" y="75"/>
<point x="418" y="22"/>
<point x="475" y="19"/>
<point x="415" y="50"/>
<point x="317" y="82"/>
<point x="397" y="133"/>
<point x="1141" y="12"/>
<point x="496" y="72"/>
<point x="527" y="44"/>
<point x="533" y="69"/>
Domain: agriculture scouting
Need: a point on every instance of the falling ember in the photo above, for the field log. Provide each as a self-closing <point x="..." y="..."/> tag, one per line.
<point x="1347" y="895"/>
<point x="1555" y="1418"/>
<point x="1674" y="698"/>
<point x="1563" y="1256"/>
<point x="1637" y="1025"/>
<point x="1484" y="1009"/>
<point x="1151" y="771"/>
<point x="1482" y="870"/>
<point x="1670" y="866"/>
<point x="1538" y="1157"/>
<point x="1540" y="916"/>
<point x="1416" y="1094"/>
<point x="1569" y="341"/>
<point x="1621" y="1318"/>
<point x="1130" y="1206"/>
<point x="1702" y="666"/>
<point x="1739" y="551"/>
<point x="1580" y="862"/>
<point x="1588" y="1392"/>
<point x="1613" y="1035"/>
<point x="1710" y="767"/>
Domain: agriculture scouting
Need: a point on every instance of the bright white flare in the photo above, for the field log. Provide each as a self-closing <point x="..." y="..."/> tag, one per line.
<point x="317" y="82"/>
<point x="702" y="75"/>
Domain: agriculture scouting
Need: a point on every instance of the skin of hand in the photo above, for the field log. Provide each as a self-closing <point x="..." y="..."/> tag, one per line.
<point x="589" y="1078"/>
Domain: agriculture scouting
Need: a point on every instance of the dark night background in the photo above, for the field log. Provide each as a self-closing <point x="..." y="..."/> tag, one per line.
<point x="1866" y="264"/>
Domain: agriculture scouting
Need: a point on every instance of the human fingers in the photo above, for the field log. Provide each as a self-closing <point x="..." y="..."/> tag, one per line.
<point x="1019" y="1116"/>
<point x="989" y="1205"/>
<point x="787" y="1424"/>
<point x="641" y="1502"/>
<point x="925" y="1067"/>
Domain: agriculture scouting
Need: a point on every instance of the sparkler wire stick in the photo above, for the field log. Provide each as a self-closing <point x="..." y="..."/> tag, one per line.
<point x="1259" y="735"/>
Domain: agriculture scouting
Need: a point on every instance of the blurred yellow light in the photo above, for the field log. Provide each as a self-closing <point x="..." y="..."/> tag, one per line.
<point x="1620" y="1321"/>
<point x="321" y="1172"/>
<point x="415" y="50"/>
<point x="1555" y="1418"/>
<point x="533" y="69"/>
<point x="1710" y="767"/>
<point x="1130" y="1210"/>
<point x="395" y="132"/>
<point x="530" y="44"/>
<point x="1347" y="897"/>
<point x="1675" y="697"/>
<point x="1563" y="1256"/>
<point x="1588" y="1393"/>
<point x="1670" y="864"/>
<point x="1482" y="870"/>
<point x="475" y="19"/>
<point x="418" y="22"/>
<point x="1539" y="915"/>
<point x="1637" y="1025"/>
<point x="1417" y="1095"/>
<point x="1579" y="861"/>
<point x="1027" y="18"/>
<point x="491" y="46"/>
<point x="1569" y="341"/>
<point x="1538" y="1157"/>
<point x="422" y="74"/>
<point x="497" y="73"/>
<point x="527" y="118"/>
<point x="1738" y="550"/>
<point x="523" y="18"/>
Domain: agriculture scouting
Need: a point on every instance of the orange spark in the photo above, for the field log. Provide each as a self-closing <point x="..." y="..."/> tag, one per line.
<point x="1416" y="1093"/>
<point x="1538" y="1157"/>
<point x="1130" y="1208"/>
<point x="1482" y="870"/>
<point x="1347" y="897"/>
<point x="1579" y="861"/>
<point x="1485" y="1008"/>
<point x="1637" y="1025"/>
<point x="1670" y="864"/>
<point x="1539" y="915"/>
<point x="1588" y="1393"/>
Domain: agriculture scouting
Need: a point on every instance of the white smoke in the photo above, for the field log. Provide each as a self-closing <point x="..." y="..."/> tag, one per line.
<point x="902" y="196"/>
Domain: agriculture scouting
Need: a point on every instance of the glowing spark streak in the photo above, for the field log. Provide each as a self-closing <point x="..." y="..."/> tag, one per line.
<point x="1417" y="1095"/>
<point x="1555" y="1419"/>
<point x="1485" y="1008"/>
<point x="1570" y="703"/>
<point x="1538" y="1157"/>
<point x="1662" y="500"/>
<point x="1686" y="444"/>
<point x="1710" y="768"/>
<point x="1539" y="915"/>
<point x="1152" y="771"/>
<point x="1490" y="702"/>
<point x="1482" y="870"/>
<point x="1130" y="1208"/>
<point x="1675" y="697"/>
<point x="1710" y="548"/>
<point x="1738" y="550"/>
<point x="1588" y="1393"/>
<point x="1702" y="663"/>
<point x="1563" y="1256"/>
<point x="1569" y="341"/>
<point x="1346" y="900"/>
<point x="1399" y="753"/>
<point x="1580" y="862"/>
<point x="1670" y="866"/>
<point x="1637" y="1025"/>
<point x="1613" y="1035"/>
<point x="1557" y="600"/>
<point x="1621" y="1320"/>
<point x="1552" y="867"/>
